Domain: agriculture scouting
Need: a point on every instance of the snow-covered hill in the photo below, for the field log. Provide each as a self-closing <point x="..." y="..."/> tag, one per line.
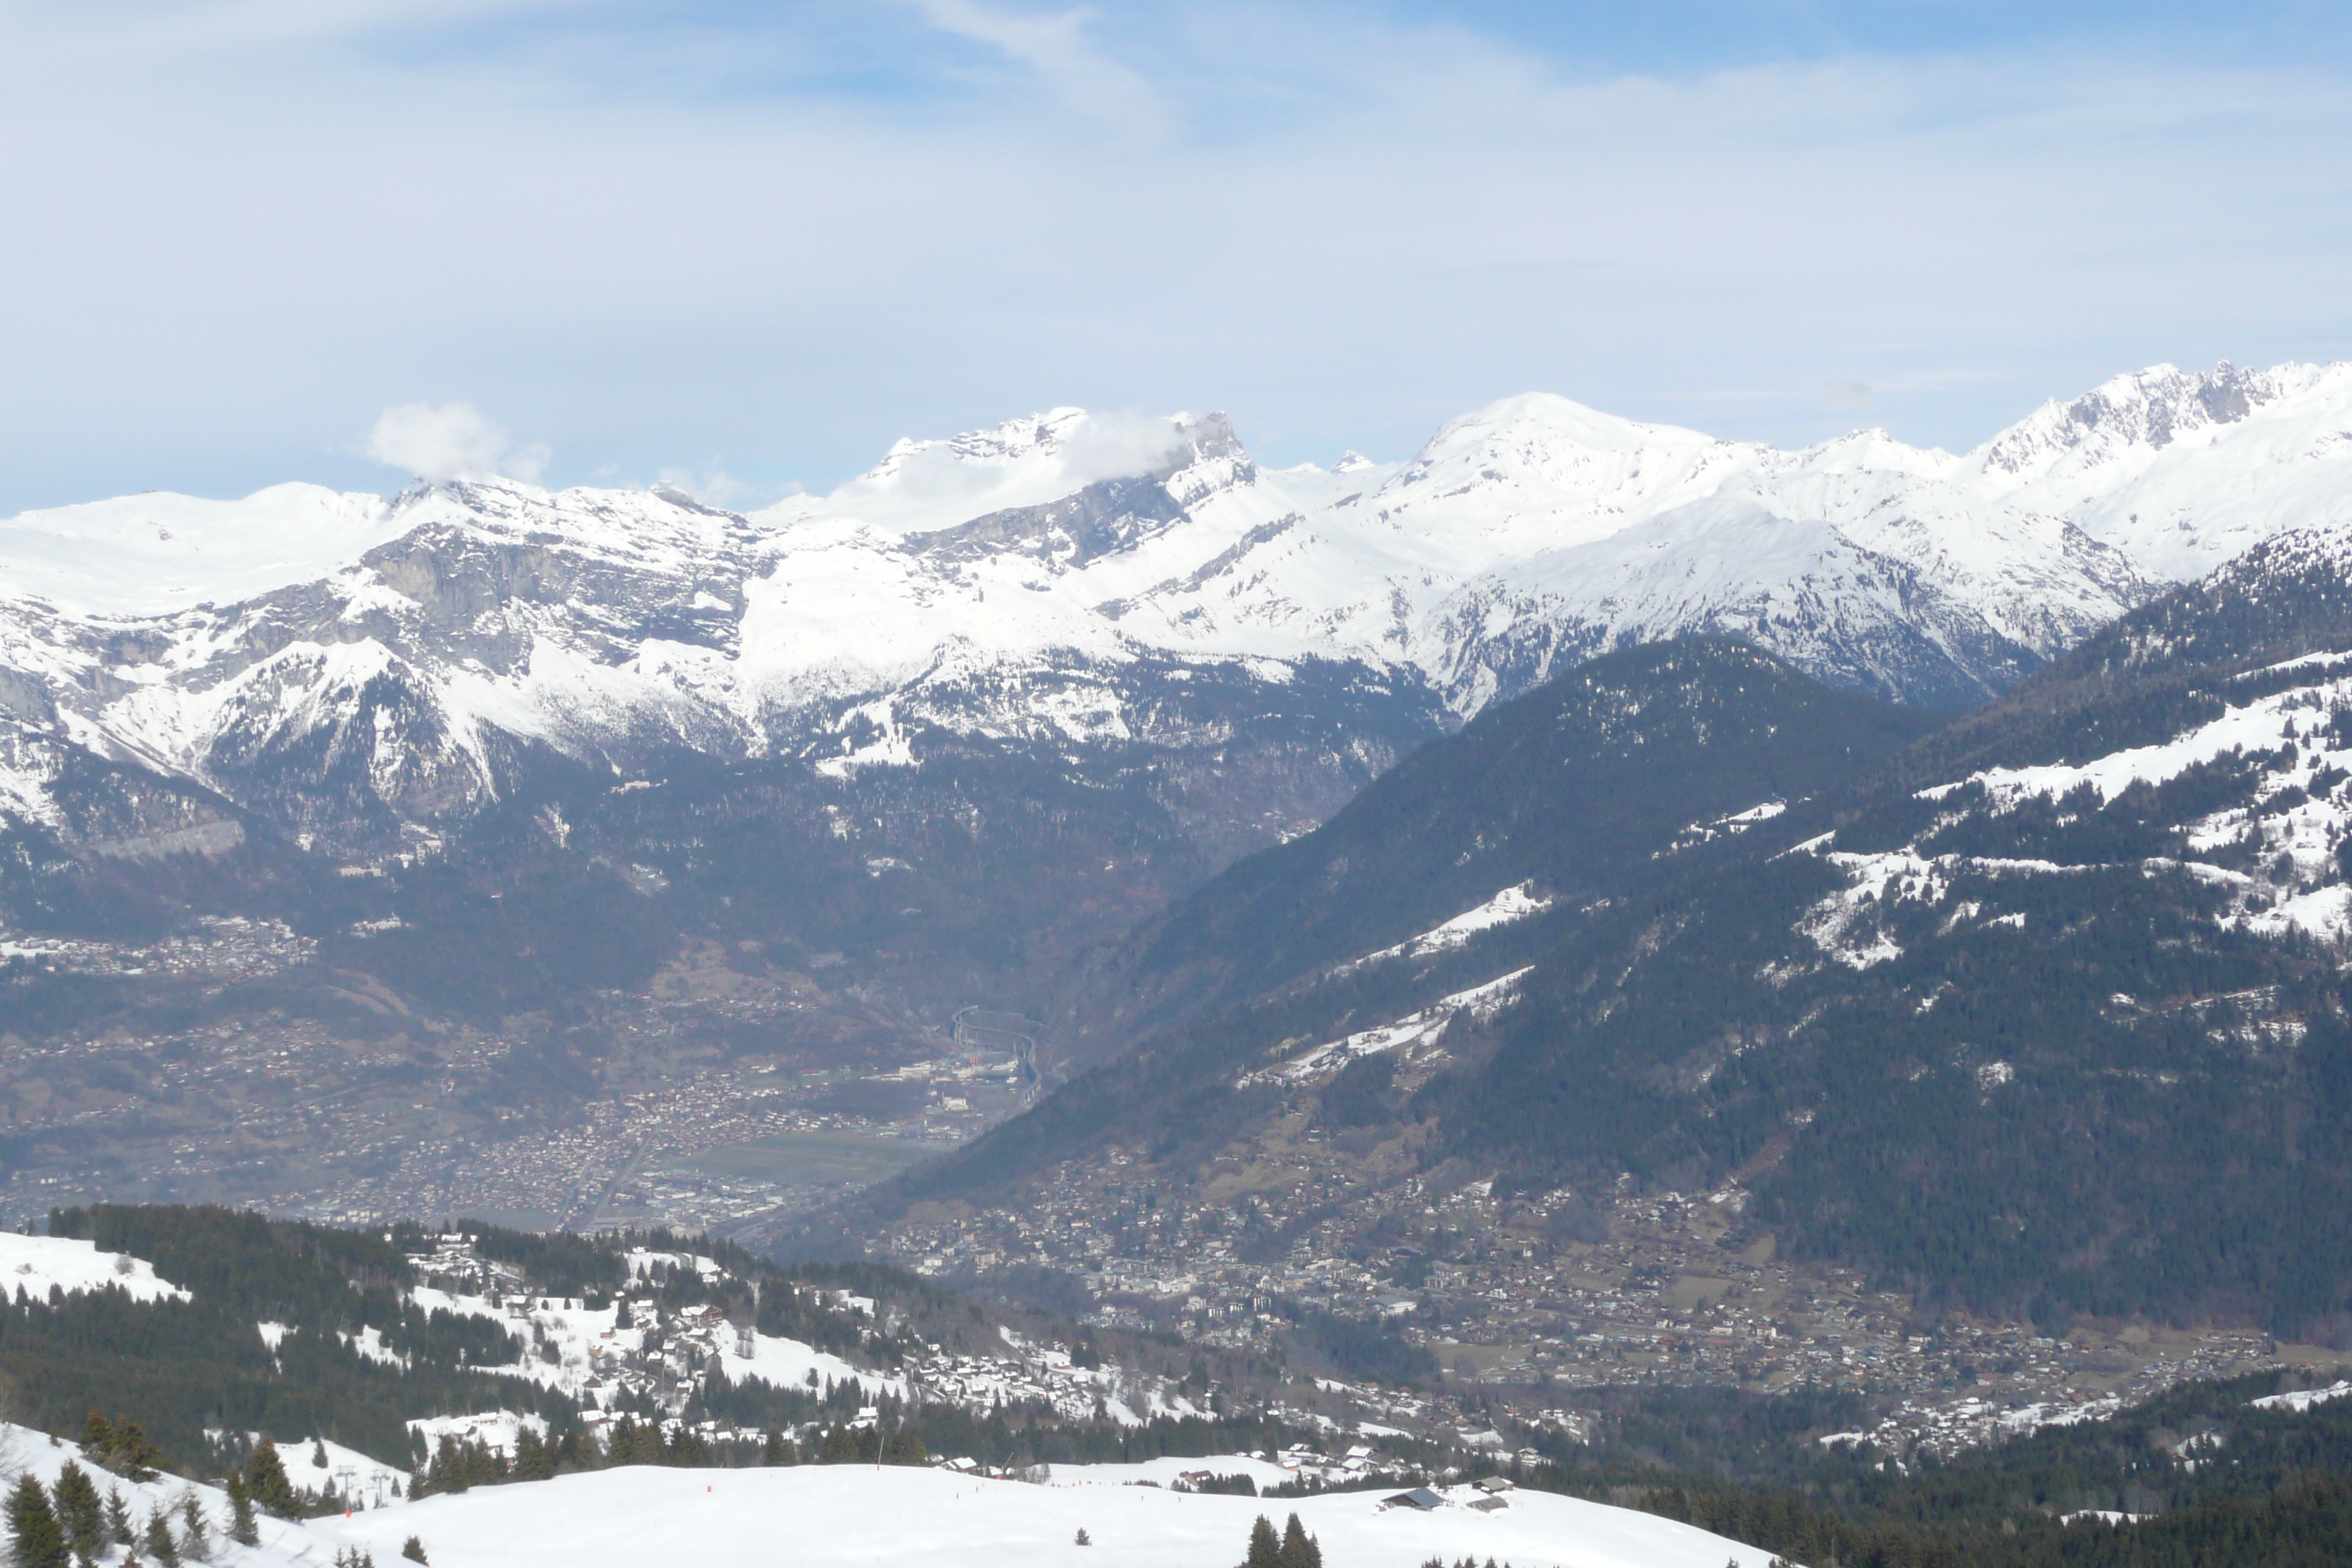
<point x="35" y="1264"/>
<point x="850" y="1514"/>
<point x="343" y="664"/>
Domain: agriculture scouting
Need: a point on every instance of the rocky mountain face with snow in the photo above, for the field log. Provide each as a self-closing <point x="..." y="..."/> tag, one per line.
<point x="2041" y="1014"/>
<point x="343" y="667"/>
<point x="1002" y="696"/>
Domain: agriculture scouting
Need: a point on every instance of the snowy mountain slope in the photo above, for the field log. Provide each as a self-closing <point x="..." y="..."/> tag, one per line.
<point x="846" y="1514"/>
<point x="39" y="1264"/>
<point x="343" y="664"/>
<point x="157" y="553"/>
<point x="2181" y="471"/>
<point x="2043" y="1012"/>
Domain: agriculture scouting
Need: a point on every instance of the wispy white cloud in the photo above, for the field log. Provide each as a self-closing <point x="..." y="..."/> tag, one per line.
<point x="1056" y="47"/>
<point x="248" y="244"/>
<point x="714" y="486"/>
<point x="450" y="441"/>
<point x="1847" y="396"/>
<point x="224" y="26"/>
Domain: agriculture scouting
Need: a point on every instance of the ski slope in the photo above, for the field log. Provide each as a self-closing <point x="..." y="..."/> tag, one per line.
<point x="820" y="1516"/>
<point x="817" y="1516"/>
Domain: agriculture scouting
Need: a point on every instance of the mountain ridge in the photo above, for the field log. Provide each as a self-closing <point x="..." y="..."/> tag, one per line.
<point x="2040" y="1017"/>
<point x="1009" y="584"/>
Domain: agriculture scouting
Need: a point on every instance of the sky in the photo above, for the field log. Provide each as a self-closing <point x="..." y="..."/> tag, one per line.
<point x="743" y="248"/>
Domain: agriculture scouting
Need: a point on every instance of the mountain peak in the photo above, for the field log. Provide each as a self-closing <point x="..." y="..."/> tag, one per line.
<point x="925" y="486"/>
<point x="2132" y="415"/>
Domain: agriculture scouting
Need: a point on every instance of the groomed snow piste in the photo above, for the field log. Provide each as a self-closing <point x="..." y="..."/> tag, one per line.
<point x="819" y="1516"/>
<point x="822" y="1515"/>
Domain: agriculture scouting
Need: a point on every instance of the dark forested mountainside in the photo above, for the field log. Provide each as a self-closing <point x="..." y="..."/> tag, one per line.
<point x="2157" y="670"/>
<point x="294" y="1332"/>
<point x="1574" y="787"/>
<point x="1588" y="790"/>
<point x="971" y="876"/>
<point x="2072" y="1040"/>
<point x="508" y="977"/>
<point x="183" y="1369"/>
<point x="357" y="1353"/>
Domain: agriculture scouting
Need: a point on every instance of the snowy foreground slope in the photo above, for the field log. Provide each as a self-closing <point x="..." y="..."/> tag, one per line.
<point x="848" y="1514"/>
<point x="340" y="662"/>
<point x="840" y="1514"/>
<point x="834" y="1513"/>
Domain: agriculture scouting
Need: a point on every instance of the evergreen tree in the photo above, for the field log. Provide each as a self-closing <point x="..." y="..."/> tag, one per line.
<point x="38" y="1540"/>
<point x="160" y="1544"/>
<point x="81" y="1512"/>
<point x="195" y="1531"/>
<point x="118" y="1518"/>
<point x="266" y="1479"/>
<point x="318" y="1453"/>
<point x="447" y="1472"/>
<point x="413" y="1549"/>
<point x="1264" y="1548"/>
<point x="1300" y="1550"/>
<point x="534" y="1457"/>
<point x="243" y="1528"/>
<point x="121" y="1448"/>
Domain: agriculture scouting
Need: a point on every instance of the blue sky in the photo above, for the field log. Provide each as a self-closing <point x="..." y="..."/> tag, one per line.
<point x="746" y="247"/>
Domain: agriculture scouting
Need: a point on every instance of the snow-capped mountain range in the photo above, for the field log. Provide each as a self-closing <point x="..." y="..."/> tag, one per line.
<point x="342" y="663"/>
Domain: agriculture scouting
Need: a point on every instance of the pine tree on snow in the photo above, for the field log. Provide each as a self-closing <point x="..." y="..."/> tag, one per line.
<point x="96" y="1435"/>
<point x="34" y="1532"/>
<point x="1264" y="1547"/>
<point x="120" y="1447"/>
<point x="195" y="1531"/>
<point x="81" y="1512"/>
<point x="1300" y="1550"/>
<point x="118" y="1518"/>
<point x="265" y="1478"/>
<point x="243" y="1528"/>
<point x="160" y="1544"/>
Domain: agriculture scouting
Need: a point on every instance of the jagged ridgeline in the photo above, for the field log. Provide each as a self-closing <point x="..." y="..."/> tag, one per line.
<point x="2040" y="1014"/>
